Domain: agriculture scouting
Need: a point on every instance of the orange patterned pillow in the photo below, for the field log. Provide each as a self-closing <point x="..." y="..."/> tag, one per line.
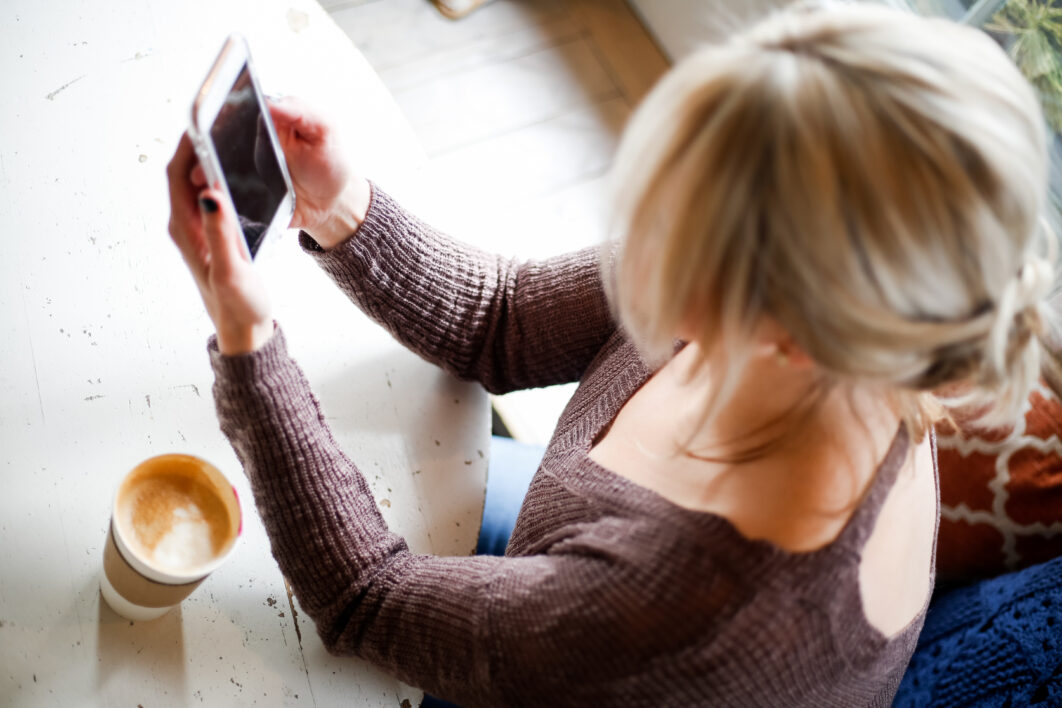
<point x="1001" y="494"/>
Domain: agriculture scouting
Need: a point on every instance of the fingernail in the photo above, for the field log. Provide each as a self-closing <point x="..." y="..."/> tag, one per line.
<point x="209" y="205"/>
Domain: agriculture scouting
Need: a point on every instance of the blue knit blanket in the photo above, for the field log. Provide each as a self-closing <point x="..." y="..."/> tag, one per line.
<point x="997" y="642"/>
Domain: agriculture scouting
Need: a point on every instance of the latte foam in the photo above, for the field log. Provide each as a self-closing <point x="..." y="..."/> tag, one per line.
<point x="173" y="519"/>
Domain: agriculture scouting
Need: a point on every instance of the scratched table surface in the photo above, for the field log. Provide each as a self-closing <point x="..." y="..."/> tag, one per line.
<point x="103" y="362"/>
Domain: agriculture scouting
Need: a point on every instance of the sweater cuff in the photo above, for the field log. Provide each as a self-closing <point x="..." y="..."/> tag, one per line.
<point x="383" y="219"/>
<point x="315" y="249"/>
<point x="267" y="359"/>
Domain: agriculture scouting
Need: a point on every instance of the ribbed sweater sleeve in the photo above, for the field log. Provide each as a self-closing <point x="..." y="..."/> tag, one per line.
<point x="479" y="630"/>
<point x="505" y="323"/>
<point x="612" y="596"/>
<point x="327" y="535"/>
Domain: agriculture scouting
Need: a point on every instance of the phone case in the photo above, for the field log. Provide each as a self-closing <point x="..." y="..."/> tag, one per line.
<point x="234" y="55"/>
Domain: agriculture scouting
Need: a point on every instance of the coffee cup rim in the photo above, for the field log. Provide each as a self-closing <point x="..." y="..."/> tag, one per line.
<point x="221" y="484"/>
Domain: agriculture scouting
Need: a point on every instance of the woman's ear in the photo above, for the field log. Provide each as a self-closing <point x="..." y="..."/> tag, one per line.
<point x="775" y="342"/>
<point x="793" y="354"/>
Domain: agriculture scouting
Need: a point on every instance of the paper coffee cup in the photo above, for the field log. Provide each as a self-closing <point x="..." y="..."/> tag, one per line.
<point x="175" y="518"/>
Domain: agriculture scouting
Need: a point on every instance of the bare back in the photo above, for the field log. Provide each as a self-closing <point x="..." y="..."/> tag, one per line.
<point x="799" y="500"/>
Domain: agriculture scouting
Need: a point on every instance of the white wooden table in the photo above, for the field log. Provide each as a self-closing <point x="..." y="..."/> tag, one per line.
<point x="103" y="362"/>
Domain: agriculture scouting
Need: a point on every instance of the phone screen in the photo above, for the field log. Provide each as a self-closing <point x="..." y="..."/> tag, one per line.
<point x="248" y="161"/>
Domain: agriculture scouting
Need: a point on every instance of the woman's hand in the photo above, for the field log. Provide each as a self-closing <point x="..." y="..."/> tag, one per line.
<point x="330" y="202"/>
<point x="205" y="229"/>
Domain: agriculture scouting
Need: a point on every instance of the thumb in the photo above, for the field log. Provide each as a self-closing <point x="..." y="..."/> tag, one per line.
<point x="222" y="233"/>
<point x="293" y="117"/>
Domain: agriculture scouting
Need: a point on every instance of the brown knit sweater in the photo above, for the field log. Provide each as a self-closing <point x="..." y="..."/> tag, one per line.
<point x="609" y="594"/>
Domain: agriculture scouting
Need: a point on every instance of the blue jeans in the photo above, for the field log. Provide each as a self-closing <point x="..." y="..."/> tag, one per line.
<point x="509" y="473"/>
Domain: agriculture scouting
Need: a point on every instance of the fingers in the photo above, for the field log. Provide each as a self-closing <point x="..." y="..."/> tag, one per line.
<point x="198" y="176"/>
<point x="183" y="157"/>
<point x="181" y="195"/>
<point x="294" y="119"/>
<point x="184" y="213"/>
<point x="223" y="236"/>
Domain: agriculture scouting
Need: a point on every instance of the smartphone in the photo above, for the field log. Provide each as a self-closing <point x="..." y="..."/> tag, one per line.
<point x="237" y="145"/>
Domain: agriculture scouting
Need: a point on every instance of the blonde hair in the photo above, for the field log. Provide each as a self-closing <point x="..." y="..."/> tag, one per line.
<point x="871" y="180"/>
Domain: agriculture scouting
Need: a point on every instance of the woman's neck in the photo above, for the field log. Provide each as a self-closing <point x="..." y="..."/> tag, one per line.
<point x="768" y="397"/>
<point x="792" y="493"/>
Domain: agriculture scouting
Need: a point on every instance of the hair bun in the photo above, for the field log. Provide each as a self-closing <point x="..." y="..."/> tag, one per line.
<point x="1034" y="282"/>
<point x="1017" y="314"/>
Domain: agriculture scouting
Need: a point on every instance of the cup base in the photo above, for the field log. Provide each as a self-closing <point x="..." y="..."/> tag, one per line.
<point x="125" y="608"/>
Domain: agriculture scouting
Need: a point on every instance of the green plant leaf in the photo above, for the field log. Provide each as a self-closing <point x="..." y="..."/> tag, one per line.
<point x="1035" y="29"/>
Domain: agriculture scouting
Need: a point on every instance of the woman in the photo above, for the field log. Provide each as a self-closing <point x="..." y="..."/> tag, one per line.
<point x="818" y="224"/>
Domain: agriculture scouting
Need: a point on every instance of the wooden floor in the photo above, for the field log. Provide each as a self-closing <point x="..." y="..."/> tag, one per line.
<point x="519" y="108"/>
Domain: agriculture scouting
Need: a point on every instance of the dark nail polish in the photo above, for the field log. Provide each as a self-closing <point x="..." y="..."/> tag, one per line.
<point x="209" y="205"/>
